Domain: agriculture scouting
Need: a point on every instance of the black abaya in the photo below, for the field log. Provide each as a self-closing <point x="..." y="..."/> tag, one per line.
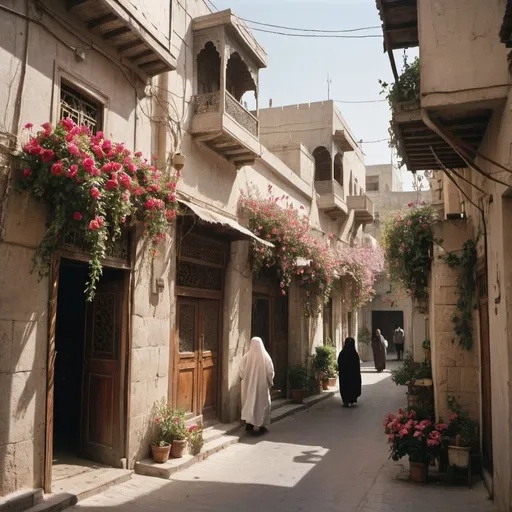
<point x="349" y="368"/>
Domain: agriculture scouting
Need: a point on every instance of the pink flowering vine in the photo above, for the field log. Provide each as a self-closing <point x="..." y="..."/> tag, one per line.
<point x="95" y="184"/>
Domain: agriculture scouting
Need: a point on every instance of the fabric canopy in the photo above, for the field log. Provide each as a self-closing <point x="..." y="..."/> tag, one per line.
<point x="217" y="218"/>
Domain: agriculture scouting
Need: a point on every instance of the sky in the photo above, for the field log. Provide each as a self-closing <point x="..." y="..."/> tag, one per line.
<point x="298" y="66"/>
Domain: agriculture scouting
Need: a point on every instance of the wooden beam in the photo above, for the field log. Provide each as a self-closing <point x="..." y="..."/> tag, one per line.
<point x="230" y="144"/>
<point x="207" y="136"/>
<point x="137" y="56"/>
<point x="72" y="4"/>
<point x="102" y="20"/>
<point x="149" y="65"/>
<point x="116" y="32"/>
<point x="235" y="152"/>
<point x="129" y="46"/>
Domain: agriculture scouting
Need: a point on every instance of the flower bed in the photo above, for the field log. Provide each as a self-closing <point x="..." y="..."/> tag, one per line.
<point x="407" y="239"/>
<point x="94" y="184"/>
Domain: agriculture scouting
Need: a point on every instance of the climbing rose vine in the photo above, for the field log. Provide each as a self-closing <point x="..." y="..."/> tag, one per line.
<point x="93" y="185"/>
<point x="359" y="267"/>
<point x="276" y="220"/>
<point x="408" y="238"/>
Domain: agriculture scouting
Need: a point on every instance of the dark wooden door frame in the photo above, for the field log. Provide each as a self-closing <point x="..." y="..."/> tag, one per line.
<point x="57" y="258"/>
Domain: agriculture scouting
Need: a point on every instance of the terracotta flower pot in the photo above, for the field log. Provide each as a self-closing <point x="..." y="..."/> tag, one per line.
<point x="458" y="456"/>
<point x="160" y="453"/>
<point x="418" y="472"/>
<point x="178" y="448"/>
<point x="178" y="161"/>
<point x="297" y="395"/>
<point x="325" y="384"/>
<point x="332" y="382"/>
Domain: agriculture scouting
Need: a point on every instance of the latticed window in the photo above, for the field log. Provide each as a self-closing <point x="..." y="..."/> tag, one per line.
<point x="80" y="108"/>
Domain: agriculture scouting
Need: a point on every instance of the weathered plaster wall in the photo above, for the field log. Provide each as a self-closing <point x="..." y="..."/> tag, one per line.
<point x="453" y="29"/>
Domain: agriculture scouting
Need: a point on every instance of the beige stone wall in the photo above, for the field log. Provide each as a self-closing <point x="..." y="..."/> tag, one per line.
<point x="451" y="30"/>
<point x="456" y="371"/>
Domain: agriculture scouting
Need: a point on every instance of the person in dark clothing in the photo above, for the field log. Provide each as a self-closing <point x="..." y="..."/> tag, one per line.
<point x="349" y="368"/>
<point x="398" y="340"/>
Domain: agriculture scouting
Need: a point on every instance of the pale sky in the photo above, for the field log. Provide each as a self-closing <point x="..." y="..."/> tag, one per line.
<point x="298" y="67"/>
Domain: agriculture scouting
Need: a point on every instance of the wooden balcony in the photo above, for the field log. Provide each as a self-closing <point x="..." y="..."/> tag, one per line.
<point x="422" y="149"/>
<point x="363" y="208"/>
<point x="226" y="127"/>
<point x="399" y="23"/>
<point x="331" y="199"/>
<point x="123" y="28"/>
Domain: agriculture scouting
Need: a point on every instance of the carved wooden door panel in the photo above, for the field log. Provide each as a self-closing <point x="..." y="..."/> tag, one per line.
<point x="101" y="436"/>
<point x="209" y="329"/>
<point x="187" y="346"/>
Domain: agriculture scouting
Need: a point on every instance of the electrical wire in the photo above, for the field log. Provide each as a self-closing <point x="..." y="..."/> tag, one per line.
<point x="358" y="102"/>
<point x="310" y="29"/>
<point x="327" y="36"/>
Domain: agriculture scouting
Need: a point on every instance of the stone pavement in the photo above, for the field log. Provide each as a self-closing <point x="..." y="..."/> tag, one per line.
<point x="325" y="459"/>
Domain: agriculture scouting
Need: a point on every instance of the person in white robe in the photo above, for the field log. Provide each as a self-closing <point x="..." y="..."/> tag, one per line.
<point x="257" y="374"/>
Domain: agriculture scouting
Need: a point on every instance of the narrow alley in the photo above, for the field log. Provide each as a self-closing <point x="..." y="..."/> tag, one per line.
<point x="325" y="459"/>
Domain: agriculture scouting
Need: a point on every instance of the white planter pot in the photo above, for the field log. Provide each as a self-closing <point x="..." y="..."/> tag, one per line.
<point x="458" y="456"/>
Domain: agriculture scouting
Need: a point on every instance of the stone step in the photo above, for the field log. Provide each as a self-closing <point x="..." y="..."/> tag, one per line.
<point x="148" y="467"/>
<point x="20" y="501"/>
<point x="277" y="403"/>
<point x="217" y="438"/>
<point x="69" y="491"/>
<point x="218" y="430"/>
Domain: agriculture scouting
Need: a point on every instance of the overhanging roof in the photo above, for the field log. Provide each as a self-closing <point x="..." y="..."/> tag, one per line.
<point x="217" y="218"/>
<point x="399" y="22"/>
<point x="416" y="139"/>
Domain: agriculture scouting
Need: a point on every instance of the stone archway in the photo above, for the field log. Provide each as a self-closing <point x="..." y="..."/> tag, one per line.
<point x="323" y="164"/>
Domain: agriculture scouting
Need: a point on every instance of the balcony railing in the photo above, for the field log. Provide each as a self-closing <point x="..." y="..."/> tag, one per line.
<point x="207" y="103"/>
<point x="329" y="187"/>
<point x="242" y="116"/>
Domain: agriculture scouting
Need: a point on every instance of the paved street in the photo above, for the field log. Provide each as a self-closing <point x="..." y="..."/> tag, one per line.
<point x="325" y="459"/>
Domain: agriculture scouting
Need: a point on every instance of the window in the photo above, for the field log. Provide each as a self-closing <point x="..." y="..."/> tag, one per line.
<point x="80" y="108"/>
<point x="372" y="183"/>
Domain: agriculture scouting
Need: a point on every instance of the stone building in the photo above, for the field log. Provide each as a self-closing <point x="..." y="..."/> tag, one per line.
<point x="79" y="378"/>
<point x="459" y="127"/>
<point x="391" y="306"/>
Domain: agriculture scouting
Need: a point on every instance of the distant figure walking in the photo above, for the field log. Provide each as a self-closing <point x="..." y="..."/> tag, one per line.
<point x="399" y="340"/>
<point x="257" y="374"/>
<point x="349" y="368"/>
<point x="379" y="346"/>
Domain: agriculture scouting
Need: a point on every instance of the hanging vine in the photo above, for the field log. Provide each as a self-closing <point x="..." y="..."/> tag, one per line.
<point x="466" y="285"/>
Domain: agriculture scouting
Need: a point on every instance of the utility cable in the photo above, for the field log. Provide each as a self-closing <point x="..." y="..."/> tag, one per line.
<point x="366" y="36"/>
<point x="310" y="29"/>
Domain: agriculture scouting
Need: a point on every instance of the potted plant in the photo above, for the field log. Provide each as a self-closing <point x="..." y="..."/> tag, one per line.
<point x="178" y="432"/>
<point x="411" y="432"/>
<point x="462" y="434"/>
<point x="426" y="349"/>
<point x="297" y="375"/>
<point x="195" y="439"/>
<point x="325" y="364"/>
<point x="162" y="446"/>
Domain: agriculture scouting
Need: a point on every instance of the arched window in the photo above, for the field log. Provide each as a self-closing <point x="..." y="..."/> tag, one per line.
<point x="208" y="69"/>
<point x="351" y="185"/>
<point x="238" y="77"/>
<point x="338" y="168"/>
<point x="323" y="164"/>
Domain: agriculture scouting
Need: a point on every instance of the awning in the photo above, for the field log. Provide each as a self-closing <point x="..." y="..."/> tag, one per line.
<point x="217" y="218"/>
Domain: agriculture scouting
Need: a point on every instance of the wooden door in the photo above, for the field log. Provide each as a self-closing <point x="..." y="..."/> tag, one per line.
<point x="486" y="370"/>
<point x="260" y="325"/>
<point x="198" y="334"/>
<point x="101" y="435"/>
<point x="279" y="344"/>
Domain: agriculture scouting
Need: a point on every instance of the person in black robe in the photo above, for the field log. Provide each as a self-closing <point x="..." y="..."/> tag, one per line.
<point x="349" y="368"/>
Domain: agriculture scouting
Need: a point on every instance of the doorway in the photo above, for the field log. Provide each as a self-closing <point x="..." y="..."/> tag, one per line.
<point x="88" y="403"/>
<point x="270" y="323"/>
<point x="386" y="321"/>
<point x="198" y="335"/>
<point x="485" y="349"/>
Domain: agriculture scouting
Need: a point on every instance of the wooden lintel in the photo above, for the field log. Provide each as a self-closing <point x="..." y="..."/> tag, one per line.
<point x="230" y="144"/>
<point x="71" y="4"/>
<point x="235" y="152"/>
<point x="145" y="53"/>
<point x="129" y="46"/>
